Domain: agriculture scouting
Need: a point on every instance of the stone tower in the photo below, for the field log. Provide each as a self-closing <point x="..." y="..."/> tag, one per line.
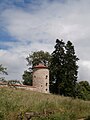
<point x="41" y="78"/>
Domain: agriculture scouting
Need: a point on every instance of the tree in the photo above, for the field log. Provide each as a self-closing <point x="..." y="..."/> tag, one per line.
<point x="2" y="69"/>
<point x="83" y="90"/>
<point x="71" y="72"/>
<point x="34" y="59"/>
<point x="63" y="69"/>
<point x="38" y="57"/>
<point x="56" y="67"/>
<point x="27" y="77"/>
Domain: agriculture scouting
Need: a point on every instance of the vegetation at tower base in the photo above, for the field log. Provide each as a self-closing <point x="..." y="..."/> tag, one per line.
<point x="27" y="77"/>
<point x="34" y="59"/>
<point x="64" y="69"/>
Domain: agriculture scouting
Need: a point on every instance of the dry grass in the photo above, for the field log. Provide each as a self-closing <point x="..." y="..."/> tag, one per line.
<point x="13" y="102"/>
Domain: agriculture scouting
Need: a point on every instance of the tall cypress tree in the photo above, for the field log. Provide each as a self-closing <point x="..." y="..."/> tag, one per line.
<point x="63" y="69"/>
<point x="71" y="70"/>
<point x="56" y="67"/>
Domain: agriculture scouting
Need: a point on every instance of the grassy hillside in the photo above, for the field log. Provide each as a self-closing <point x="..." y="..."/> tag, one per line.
<point x="14" y="104"/>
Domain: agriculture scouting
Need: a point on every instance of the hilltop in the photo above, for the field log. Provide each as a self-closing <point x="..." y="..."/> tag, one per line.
<point x="16" y="104"/>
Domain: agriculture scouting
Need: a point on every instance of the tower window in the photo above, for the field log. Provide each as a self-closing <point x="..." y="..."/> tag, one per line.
<point x="46" y="76"/>
<point x="46" y="84"/>
<point x="46" y="89"/>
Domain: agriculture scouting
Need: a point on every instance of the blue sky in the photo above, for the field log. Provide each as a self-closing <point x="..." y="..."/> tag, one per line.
<point x="31" y="25"/>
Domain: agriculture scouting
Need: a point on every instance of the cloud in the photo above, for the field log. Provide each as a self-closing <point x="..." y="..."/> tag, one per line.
<point x="84" y="70"/>
<point x="14" y="63"/>
<point x="38" y="24"/>
<point x="51" y="21"/>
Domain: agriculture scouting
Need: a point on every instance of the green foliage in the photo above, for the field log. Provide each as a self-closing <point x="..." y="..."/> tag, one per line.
<point x="56" y="67"/>
<point x="3" y="70"/>
<point x="14" y="81"/>
<point x="88" y="118"/>
<point x="1" y="115"/>
<point x="2" y="79"/>
<point x="83" y="90"/>
<point x="70" y="67"/>
<point x="36" y="57"/>
<point x="27" y="77"/>
<point x="64" y="69"/>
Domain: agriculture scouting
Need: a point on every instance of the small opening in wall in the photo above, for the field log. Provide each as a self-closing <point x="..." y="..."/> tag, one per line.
<point x="46" y="76"/>
<point x="41" y="85"/>
<point x="46" y="84"/>
<point x="46" y="89"/>
<point x="34" y="76"/>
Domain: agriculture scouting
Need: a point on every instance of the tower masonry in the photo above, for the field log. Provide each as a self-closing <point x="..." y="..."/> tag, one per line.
<point x="41" y="78"/>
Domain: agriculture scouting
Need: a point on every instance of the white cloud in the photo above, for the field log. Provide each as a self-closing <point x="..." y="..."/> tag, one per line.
<point x="42" y="25"/>
<point x="14" y="63"/>
<point x="51" y="21"/>
<point x="84" y="70"/>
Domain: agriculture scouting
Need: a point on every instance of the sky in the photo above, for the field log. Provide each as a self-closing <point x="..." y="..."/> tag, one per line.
<point x="33" y="25"/>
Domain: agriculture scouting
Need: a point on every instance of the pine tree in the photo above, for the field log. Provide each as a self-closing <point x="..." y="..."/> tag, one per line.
<point x="71" y="70"/>
<point x="63" y="69"/>
<point x="56" y="67"/>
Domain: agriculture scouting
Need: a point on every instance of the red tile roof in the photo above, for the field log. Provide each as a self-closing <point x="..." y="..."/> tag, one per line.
<point x="40" y="66"/>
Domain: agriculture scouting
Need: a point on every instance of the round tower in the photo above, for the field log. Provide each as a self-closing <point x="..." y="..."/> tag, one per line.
<point x="41" y="78"/>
